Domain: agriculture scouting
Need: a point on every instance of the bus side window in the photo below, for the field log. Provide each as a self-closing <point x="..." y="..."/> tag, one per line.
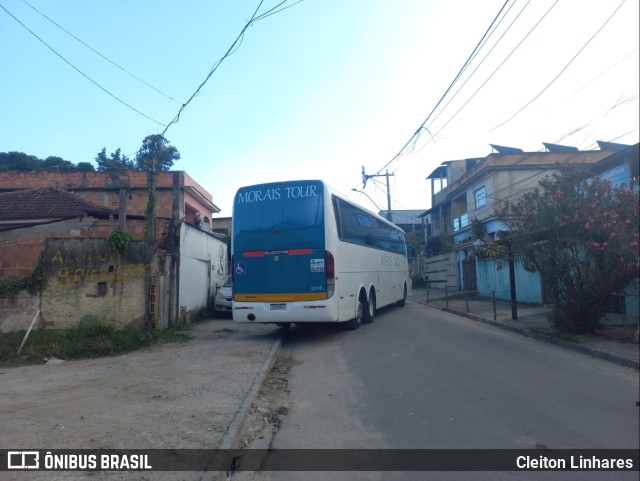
<point x="368" y="240"/>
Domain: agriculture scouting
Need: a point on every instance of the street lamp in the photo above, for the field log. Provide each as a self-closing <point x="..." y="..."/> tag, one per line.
<point x="372" y="201"/>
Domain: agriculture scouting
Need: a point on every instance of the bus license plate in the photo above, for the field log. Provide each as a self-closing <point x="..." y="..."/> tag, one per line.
<point x="278" y="307"/>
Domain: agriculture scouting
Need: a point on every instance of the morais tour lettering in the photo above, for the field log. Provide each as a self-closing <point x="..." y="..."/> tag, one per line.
<point x="277" y="193"/>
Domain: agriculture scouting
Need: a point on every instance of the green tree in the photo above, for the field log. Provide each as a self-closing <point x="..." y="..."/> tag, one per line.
<point x="85" y="167"/>
<point x="581" y="234"/>
<point x="30" y="163"/>
<point x="117" y="162"/>
<point x="156" y="149"/>
<point x="57" y="164"/>
<point x="19" y="161"/>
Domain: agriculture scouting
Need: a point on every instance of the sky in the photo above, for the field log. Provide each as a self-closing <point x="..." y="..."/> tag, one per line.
<point x="320" y="89"/>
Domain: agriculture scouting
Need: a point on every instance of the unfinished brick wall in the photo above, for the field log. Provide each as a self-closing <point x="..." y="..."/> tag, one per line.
<point x="17" y="312"/>
<point x="20" y="248"/>
<point x="19" y="255"/>
<point x="101" y="188"/>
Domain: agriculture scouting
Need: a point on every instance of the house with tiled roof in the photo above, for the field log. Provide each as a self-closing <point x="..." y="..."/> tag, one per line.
<point x="47" y="205"/>
<point x="28" y="217"/>
<point x="465" y="196"/>
<point x="170" y="275"/>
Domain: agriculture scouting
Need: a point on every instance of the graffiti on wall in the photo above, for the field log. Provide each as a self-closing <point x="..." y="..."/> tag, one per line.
<point x="105" y="267"/>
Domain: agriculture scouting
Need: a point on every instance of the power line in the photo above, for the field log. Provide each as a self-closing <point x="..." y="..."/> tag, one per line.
<point x="464" y="67"/>
<point x="484" y="58"/>
<point x="561" y="71"/>
<point x="584" y="126"/>
<point x="268" y="13"/>
<point x="230" y="51"/>
<point x="601" y="74"/>
<point x="78" y="70"/>
<point x="98" y="53"/>
<point x="496" y="69"/>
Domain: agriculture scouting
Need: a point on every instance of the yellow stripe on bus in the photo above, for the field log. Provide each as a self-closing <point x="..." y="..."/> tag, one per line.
<point x="291" y="297"/>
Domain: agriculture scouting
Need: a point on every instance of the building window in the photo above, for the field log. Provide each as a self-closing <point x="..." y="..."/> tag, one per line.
<point x="481" y="197"/>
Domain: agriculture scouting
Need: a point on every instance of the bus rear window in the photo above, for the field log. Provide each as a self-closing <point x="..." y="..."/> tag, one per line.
<point x="279" y="216"/>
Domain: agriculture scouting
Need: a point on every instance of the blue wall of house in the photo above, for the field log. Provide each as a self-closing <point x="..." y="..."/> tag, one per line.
<point x="528" y="285"/>
<point x="632" y="299"/>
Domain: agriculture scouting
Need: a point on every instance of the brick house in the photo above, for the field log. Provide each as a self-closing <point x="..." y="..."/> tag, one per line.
<point x="29" y="217"/>
<point x="179" y="199"/>
<point x="177" y="274"/>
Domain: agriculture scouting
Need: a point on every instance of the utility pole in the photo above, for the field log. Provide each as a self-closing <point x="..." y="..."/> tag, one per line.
<point x="366" y="177"/>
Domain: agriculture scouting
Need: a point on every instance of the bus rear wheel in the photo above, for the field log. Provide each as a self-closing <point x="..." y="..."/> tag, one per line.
<point x="355" y="323"/>
<point x="370" y="309"/>
<point x="402" y="301"/>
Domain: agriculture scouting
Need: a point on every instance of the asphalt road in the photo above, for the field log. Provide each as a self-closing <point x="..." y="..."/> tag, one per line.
<point x="421" y="378"/>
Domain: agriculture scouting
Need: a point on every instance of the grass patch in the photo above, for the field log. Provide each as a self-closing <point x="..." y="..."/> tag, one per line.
<point x="85" y="341"/>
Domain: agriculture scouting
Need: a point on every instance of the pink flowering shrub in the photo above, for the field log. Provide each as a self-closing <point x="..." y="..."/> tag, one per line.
<point x="581" y="234"/>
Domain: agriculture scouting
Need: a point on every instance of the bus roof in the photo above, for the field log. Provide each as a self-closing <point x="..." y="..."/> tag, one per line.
<point x="328" y="188"/>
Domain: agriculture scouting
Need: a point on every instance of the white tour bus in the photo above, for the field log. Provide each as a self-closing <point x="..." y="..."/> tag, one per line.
<point x="303" y="253"/>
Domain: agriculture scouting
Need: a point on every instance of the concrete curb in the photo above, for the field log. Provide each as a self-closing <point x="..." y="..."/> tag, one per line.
<point x="607" y="356"/>
<point x="231" y="439"/>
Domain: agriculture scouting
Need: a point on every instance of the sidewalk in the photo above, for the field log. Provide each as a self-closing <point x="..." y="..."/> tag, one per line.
<point x="532" y="321"/>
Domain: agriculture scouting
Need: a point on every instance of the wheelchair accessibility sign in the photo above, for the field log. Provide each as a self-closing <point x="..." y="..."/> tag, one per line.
<point x="239" y="268"/>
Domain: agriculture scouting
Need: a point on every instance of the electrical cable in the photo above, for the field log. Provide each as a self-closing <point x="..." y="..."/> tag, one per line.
<point x="484" y="58"/>
<point x="464" y="67"/>
<point x="268" y="13"/>
<point x="600" y="74"/>
<point x="78" y="70"/>
<point x="230" y="51"/>
<point x="494" y="72"/>
<point x="98" y="53"/>
<point x="561" y="71"/>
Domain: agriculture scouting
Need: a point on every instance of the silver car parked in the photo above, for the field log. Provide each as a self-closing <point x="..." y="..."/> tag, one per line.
<point x="223" y="297"/>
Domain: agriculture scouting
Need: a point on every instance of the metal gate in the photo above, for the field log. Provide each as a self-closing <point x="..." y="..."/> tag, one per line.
<point x="469" y="276"/>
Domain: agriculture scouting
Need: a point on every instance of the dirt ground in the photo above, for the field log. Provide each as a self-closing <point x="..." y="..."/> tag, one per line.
<point x="172" y="396"/>
<point x="269" y="408"/>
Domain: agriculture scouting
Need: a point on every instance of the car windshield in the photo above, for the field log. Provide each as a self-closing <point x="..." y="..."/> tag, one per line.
<point x="227" y="282"/>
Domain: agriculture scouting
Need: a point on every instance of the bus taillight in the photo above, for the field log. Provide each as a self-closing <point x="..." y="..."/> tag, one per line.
<point x="331" y="274"/>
